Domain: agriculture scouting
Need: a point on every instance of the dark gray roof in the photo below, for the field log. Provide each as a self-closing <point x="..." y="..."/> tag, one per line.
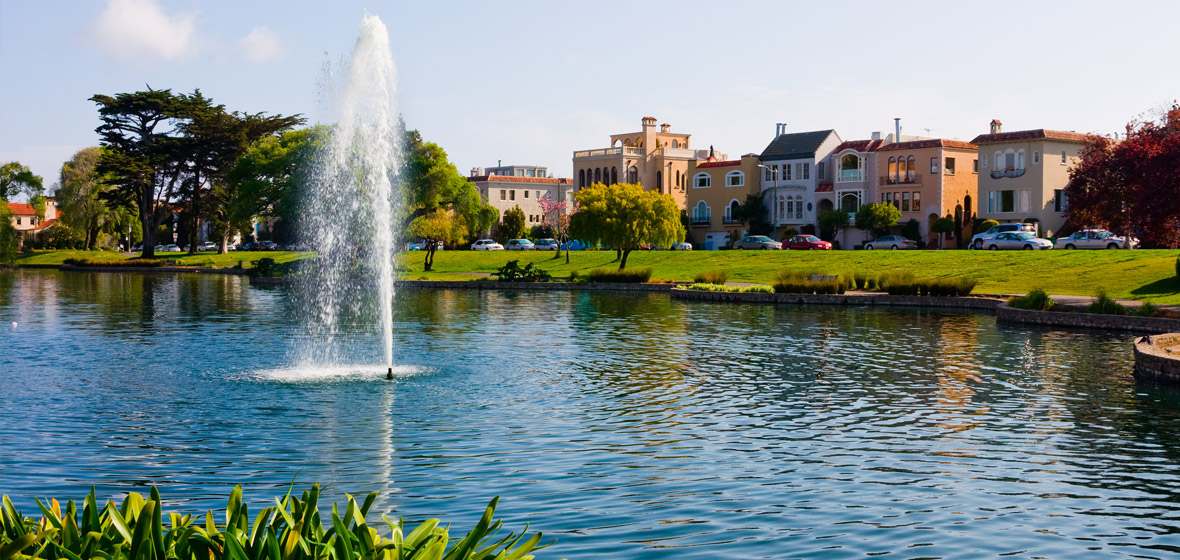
<point x="797" y="145"/>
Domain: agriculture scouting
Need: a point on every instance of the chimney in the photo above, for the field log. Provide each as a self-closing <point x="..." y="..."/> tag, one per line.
<point x="499" y="163"/>
<point x="897" y="129"/>
<point x="780" y="129"/>
<point x="649" y="122"/>
<point x="876" y="135"/>
<point x="665" y="127"/>
<point x="996" y="126"/>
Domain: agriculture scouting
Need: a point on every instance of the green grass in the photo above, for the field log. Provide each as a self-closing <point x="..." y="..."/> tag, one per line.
<point x="183" y="259"/>
<point x="1147" y="275"/>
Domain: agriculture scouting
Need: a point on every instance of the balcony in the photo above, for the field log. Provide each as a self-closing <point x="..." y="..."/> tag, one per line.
<point x="915" y="179"/>
<point x="731" y="221"/>
<point x="701" y="220"/>
<point x="850" y="176"/>
<point x="678" y="153"/>
<point x="1007" y="173"/>
<point x="599" y="152"/>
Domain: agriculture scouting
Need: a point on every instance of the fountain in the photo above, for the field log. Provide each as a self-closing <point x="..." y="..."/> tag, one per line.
<point x="352" y="206"/>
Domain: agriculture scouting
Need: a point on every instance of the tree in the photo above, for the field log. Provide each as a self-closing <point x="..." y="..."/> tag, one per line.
<point x="16" y="179"/>
<point x="431" y="182"/>
<point x="754" y="213"/>
<point x="438" y="227"/>
<point x="555" y="214"/>
<point x="831" y="222"/>
<point x="877" y="218"/>
<point x="912" y="230"/>
<point x="512" y="226"/>
<point x="268" y="179"/>
<point x="941" y="226"/>
<point x="79" y="199"/>
<point x="1131" y="186"/>
<point x="625" y="216"/>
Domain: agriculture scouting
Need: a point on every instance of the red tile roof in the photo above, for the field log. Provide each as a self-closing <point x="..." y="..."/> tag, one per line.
<point x="719" y="164"/>
<point x="22" y="209"/>
<point x="1020" y="135"/>
<point x="934" y="143"/>
<point x="860" y="145"/>
<point x="824" y="187"/>
<point x="514" y="179"/>
<point x="45" y="224"/>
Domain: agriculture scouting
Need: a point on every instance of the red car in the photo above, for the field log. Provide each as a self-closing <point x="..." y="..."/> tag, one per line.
<point x="807" y="243"/>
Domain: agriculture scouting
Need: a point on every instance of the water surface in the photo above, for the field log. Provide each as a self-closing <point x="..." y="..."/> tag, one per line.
<point x="628" y="426"/>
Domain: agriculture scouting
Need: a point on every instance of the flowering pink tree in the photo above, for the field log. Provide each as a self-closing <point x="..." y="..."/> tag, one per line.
<point x="556" y="214"/>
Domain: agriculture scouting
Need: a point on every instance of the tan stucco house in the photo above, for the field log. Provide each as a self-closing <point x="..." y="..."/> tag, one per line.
<point x="506" y="192"/>
<point x="928" y="179"/>
<point x="716" y="189"/>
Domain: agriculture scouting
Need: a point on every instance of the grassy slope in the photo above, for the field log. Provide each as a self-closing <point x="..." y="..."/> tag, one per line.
<point x="183" y="259"/>
<point x="1145" y="275"/>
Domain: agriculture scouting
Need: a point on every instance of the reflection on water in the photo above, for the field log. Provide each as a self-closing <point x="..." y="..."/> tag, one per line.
<point x="630" y="426"/>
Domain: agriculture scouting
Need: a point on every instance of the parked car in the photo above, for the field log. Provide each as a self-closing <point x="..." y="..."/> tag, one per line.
<point x="207" y="246"/>
<point x="420" y="245"/>
<point x="807" y="243"/>
<point x="1018" y="240"/>
<point x="172" y="248"/>
<point x="158" y="248"/>
<point x="268" y="246"/>
<point x="520" y="245"/>
<point x="486" y="245"/>
<point x="682" y="246"/>
<point x="979" y="240"/>
<point x="573" y="245"/>
<point x="891" y="242"/>
<point x="1094" y="239"/>
<point x="547" y="244"/>
<point x="757" y="242"/>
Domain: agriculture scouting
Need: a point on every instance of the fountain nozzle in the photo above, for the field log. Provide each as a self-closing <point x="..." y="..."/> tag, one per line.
<point x="389" y="374"/>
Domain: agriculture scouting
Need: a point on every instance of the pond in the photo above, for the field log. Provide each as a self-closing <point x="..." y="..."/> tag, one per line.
<point x="626" y="426"/>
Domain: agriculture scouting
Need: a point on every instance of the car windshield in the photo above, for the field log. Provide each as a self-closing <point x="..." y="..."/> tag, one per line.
<point x="759" y="238"/>
<point x="1025" y="236"/>
<point x="809" y="238"/>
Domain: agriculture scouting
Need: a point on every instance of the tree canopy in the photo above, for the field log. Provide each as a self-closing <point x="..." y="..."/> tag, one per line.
<point x="625" y="217"/>
<point x="755" y="214"/>
<point x="877" y="218"/>
<point x="438" y="227"/>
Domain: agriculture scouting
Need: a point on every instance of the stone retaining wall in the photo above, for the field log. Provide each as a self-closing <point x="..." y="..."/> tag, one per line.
<point x="539" y="286"/>
<point x="974" y="303"/>
<point x="1154" y="362"/>
<point x="1065" y="319"/>
<point x="163" y="269"/>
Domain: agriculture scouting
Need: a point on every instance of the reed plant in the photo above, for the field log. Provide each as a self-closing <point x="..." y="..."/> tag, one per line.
<point x="615" y="276"/>
<point x="711" y="277"/>
<point x="710" y="287"/>
<point x="129" y="263"/>
<point x="292" y="529"/>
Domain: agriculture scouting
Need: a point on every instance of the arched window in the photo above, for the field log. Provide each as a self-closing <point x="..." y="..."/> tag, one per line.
<point x="735" y="179"/>
<point x="597" y="175"/>
<point x="892" y="174"/>
<point x="581" y="178"/>
<point x="627" y="142"/>
<point x="675" y="144"/>
<point x="1009" y="160"/>
<point x="911" y="168"/>
<point x="850" y="168"/>
<point x="798" y="207"/>
<point x="660" y="181"/>
<point x="702" y="181"/>
<point x="614" y="175"/>
<point x="633" y="175"/>
<point x="731" y="210"/>
<point x="700" y="213"/>
<point x="850" y="202"/>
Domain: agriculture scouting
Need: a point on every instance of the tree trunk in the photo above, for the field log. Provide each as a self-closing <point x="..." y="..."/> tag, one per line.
<point x="224" y="249"/>
<point x="429" y="261"/>
<point x="567" y="252"/>
<point x="623" y="262"/>
<point x="618" y="255"/>
<point x="149" y="236"/>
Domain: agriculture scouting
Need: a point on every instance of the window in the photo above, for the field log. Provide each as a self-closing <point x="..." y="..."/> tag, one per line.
<point x="512" y="195"/>
<point x="905" y="202"/>
<point x="933" y="166"/>
<point x="911" y="169"/>
<point x="632" y="175"/>
<point x="700" y="213"/>
<point x="731" y="211"/>
<point x="702" y="181"/>
<point x="503" y="194"/>
<point x="787" y="172"/>
<point x="917" y="202"/>
<point x="766" y="174"/>
<point x="1024" y="200"/>
<point x="1001" y="202"/>
<point x="850" y="202"/>
<point x="18" y="220"/>
<point x="803" y="171"/>
<point x="519" y="173"/>
<point x="1062" y="157"/>
<point x="581" y="178"/>
<point x="819" y="170"/>
<point x="984" y="161"/>
<point x="526" y="194"/>
<point x="735" y="179"/>
<point x="949" y="168"/>
<point x="892" y="176"/>
<point x="975" y="166"/>
<point x="781" y="205"/>
<point x="1058" y="200"/>
<point x="1036" y="158"/>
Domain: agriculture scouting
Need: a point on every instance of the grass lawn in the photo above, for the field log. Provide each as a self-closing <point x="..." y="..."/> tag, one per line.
<point x="1148" y="275"/>
<point x="182" y="259"/>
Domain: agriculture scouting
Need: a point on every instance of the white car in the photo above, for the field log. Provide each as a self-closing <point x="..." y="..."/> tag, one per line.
<point x="207" y="246"/>
<point x="1094" y="239"/>
<point x="486" y="245"/>
<point x="979" y="240"/>
<point x="1018" y="240"/>
<point x="172" y="248"/>
<point x="891" y="242"/>
<point x="682" y="246"/>
<point x="520" y="245"/>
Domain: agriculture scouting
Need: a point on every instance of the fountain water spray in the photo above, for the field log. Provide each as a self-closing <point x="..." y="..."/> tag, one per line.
<point x="352" y="207"/>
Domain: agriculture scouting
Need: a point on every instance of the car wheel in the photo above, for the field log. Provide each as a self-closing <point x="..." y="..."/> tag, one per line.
<point x="979" y="244"/>
<point x="811" y="248"/>
<point x="993" y="248"/>
<point x="893" y="248"/>
<point x="1070" y="247"/>
<point x="1028" y="247"/>
<point x="1113" y="246"/>
<point x="764" y="247"/>
<point x="868" y="247"/>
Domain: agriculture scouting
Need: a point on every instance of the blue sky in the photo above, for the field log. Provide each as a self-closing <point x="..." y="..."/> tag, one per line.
<point x="529" y="82"/>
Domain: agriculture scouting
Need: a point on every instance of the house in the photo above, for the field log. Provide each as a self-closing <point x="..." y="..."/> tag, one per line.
<point x="656" y="159"/>
<point x="1023" y="174"/>
<point x="854" y="176"/>
<point x="26" y="222"/>
<point x="927" y="179"/>
<point x="523" y="186"/>
<point x="716" y="190"/>
<point x="794" y="166"/>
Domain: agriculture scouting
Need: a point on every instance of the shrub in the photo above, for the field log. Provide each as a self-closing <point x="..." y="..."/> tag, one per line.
<point x="986" y="225"/>
<point x="1148" y="309"/>
<point x="710" y="287"/>
<point x="711" y="277"/>
<point x="140" y="529"/>
<point x="130" y="263"/>
<point x="614" y="276"/>
<point x="512" y="272"/>
<point x="661" y="281"/>
<point x="1106" y="306"/>
<point x="574" y="276"/>
<point x="1036" y="299"/>
<point x="861" y="279"/>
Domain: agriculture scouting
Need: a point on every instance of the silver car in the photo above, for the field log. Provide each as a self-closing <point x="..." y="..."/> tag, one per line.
<point x="757" y="242"/>
<point x="1021" y="240"/>
<point x="1093" y="239"/>
<point x="980" y="240"/>
<point x="486" y="245"/>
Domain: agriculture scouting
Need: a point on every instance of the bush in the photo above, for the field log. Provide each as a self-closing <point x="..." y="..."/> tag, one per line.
<point x="861" y="279"/>
<point x="986" y="225"/>
<point x="797" y="282"/>
<point x="1148" y="309"/>
<point x="130" y="263"/>
<point x="1104" y="305"/>
<point x="711" y="277"/>
<point x="1036" y="299"/>
<point x="512" y="272"/>
<point x="614" y="276"/>
<point x="710" y="287"/>
<point x="789" y="233"/>
<point x="140" y="529"/>
<point x="267" y="267"/>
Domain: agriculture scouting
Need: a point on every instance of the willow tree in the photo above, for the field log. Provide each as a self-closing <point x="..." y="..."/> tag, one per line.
<point x="625" y="217"/>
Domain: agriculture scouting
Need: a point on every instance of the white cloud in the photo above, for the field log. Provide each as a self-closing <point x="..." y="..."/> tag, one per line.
<point x="261" y="45"/>
<point x="140" y="31"/>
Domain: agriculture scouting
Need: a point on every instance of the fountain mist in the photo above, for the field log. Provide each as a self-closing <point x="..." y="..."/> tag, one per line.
<point x="350" y="214"/>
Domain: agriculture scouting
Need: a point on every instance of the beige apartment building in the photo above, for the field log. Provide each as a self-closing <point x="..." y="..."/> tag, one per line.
<point x="715" y="192"/>
<point x="506" y="192"/>
<point x="928" y="179"/>
<point x="658" y="159"/>
<point x="1023" y="174"/>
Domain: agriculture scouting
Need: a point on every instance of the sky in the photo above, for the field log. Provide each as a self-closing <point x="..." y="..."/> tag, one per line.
<point x="524" y="82"/>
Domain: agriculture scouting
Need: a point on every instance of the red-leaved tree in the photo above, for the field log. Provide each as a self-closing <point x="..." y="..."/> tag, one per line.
<point x="1133" y="185"/>
<point x="555" y="213"/>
